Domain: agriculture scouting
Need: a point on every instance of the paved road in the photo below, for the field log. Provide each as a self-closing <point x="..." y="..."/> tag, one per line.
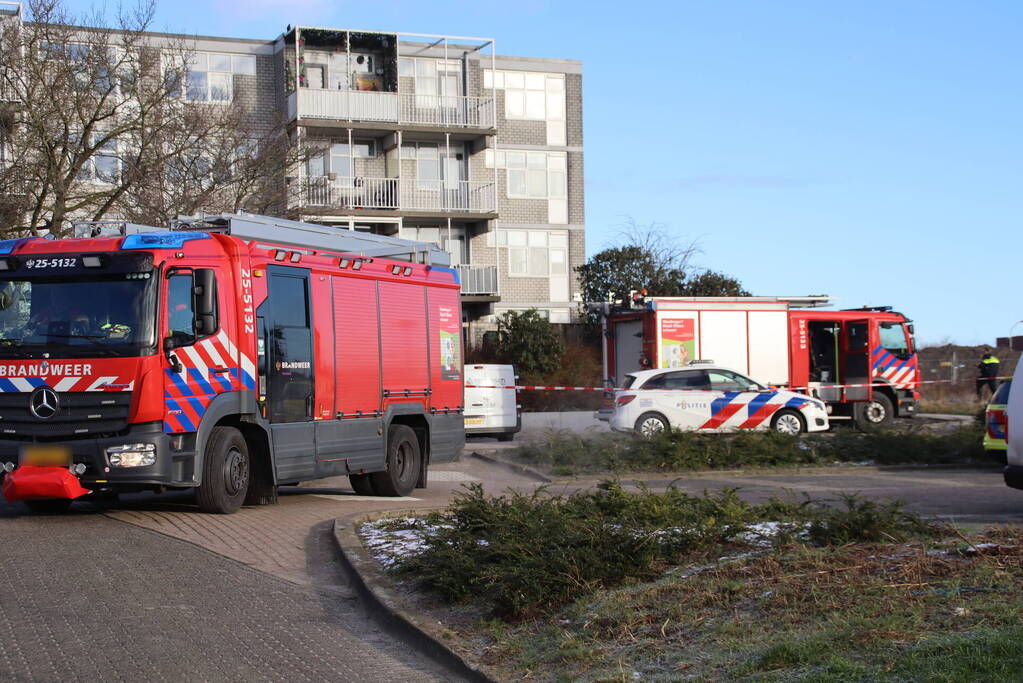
<point x="259" y="595"/>
<point x="85" y="597"/>
<point x="152" y="588"/>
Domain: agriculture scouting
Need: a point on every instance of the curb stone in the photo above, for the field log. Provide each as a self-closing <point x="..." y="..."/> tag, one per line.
<point x="513" y="466"/>
<point x="709" y="474"/>
<point x="374" y="589"/>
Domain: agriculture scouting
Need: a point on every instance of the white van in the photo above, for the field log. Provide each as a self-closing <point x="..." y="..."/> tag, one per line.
<point x="1014" y="447"/>
<point x="491" y="412"/>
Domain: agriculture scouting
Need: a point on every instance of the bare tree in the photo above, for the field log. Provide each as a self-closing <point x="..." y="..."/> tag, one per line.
<point x="655" y="240"/>
<point x="103" y="126"/>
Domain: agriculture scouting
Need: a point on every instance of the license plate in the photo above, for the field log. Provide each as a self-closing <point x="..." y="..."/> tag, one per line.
<point x="474" y="420"/>
<point x="46" y="456"/>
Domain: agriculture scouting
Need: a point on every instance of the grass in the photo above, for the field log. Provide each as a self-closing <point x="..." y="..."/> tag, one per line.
<point x="864" y="612"/>
<point x="564" y="453"/>
<point x="613" y="586"/>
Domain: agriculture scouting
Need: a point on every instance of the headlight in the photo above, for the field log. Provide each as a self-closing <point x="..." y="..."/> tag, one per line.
<point x="131" y="455"/>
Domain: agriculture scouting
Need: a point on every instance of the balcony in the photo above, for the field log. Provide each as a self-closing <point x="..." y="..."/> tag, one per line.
<point x="350" y="193"/>
<point x="430" y="196"/>
<point x="390" y="107"/>
<point x="478" y="280"/>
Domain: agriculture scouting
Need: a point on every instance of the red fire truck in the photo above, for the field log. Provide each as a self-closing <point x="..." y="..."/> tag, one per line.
<point x="229" y="354"/>
<point x="861" y="362"/>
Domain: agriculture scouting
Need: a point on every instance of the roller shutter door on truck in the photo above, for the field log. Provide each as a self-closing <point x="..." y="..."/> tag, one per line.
<point x="404" y="341"/>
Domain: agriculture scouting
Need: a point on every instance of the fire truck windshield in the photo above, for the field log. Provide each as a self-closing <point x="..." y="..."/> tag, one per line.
<point x="77" y="316"/>
<point x="893" y="339"/>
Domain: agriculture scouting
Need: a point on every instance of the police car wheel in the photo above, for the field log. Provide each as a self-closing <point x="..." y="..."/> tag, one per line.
<point x="649" y="424"/>
<point x="788" y="422"/>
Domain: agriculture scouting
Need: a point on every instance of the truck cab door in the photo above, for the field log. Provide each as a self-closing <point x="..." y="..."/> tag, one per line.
<point x="856" y="360"/>
<point x="289" y="366"/>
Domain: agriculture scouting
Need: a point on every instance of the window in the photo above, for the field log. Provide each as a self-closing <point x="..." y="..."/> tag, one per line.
<point x="209" y="76"/>
<point x="436" y="167"/>
<point x="534" y="175"/>
<point x="104" y="166"/>
<point x="87" y="62"/>
<point x="893" y="338"/>
<point x="451" y="241"/>
<point x="180" y="316"/>
<point x="529" y="95"/>
<point x="535" y="253"/>
<point x="723" y="380"/>
<point x="428" y="166"/>
<point x="686" y="379"/>
<point x="338" y="158"/>
<point x="289" y="304"/>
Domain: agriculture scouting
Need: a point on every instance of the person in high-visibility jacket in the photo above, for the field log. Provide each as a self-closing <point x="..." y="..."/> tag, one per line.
<point x="987" y="372"/>
<point x="116" y="330"/>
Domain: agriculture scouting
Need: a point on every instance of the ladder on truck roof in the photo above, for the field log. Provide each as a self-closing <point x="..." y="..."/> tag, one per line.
<point x="274" y="231"/>
<point x="810" y="301"/>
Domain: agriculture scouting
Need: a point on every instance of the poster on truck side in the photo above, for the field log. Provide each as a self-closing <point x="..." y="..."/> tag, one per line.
<point x="450" y="350"/>
<point x="678" y="342"/>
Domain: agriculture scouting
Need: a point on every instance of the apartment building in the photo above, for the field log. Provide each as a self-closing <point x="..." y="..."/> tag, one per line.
<point x="440" y="139"/>
<point x="426" y="137"/>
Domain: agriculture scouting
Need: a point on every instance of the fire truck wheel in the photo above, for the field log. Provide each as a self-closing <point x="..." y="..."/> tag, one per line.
<point x="225" y="472"/>
<point x="49" y="506"/>
<point x="362" y="484"/>
<point x="788" y="422"/>
<point x="649" y="424"/>
<point x="402" y="473"/>
<point x="877" y="412"/>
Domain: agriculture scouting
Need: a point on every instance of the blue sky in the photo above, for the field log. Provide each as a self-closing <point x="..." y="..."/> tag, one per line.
<point x="870" y="150"/>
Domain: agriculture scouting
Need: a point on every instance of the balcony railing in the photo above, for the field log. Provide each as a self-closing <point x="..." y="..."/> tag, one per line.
<point x="478" y="280"/>
<point x="351" y="193"/>
<point x="461" y="196"/>
<point x="424" y="110"/>
<point x="470" y="196"/>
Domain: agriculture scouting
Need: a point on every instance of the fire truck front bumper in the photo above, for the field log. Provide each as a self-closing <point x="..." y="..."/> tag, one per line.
<point x="144" y="457"/>
<point x="30" y="482"/>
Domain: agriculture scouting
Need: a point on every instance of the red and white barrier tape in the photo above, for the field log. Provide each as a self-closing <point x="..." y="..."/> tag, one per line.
<point x="537" y="387"/>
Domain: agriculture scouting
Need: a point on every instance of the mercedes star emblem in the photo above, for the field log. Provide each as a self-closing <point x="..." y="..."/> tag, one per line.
<point x="43" y="403"/>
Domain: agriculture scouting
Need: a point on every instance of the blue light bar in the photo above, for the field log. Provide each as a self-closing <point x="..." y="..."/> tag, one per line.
<point x="453" y="271"/>
<point x="7" y="246"/>
<point x="161" y="240"/>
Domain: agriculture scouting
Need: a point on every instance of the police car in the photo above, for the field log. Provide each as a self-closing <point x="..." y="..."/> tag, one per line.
<point x="712" y="398"/>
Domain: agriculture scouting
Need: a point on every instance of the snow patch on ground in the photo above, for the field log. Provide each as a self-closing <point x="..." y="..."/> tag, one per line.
<point x="390" y="540"/>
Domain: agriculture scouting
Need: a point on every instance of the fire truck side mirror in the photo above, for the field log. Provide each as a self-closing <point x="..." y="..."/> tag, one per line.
<point x="204" y="301"/>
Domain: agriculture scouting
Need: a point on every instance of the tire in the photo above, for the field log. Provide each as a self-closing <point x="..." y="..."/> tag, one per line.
<point x="225" y="472"/>
<point x="875" y="413"/>
<point x="48" y="506"/>
<point x="362" y="484"/>
<point x="649" y="424"/>
<point x="505" y="437"/>
<point x="788" y="422"/>
<point x="403" y="460"/>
